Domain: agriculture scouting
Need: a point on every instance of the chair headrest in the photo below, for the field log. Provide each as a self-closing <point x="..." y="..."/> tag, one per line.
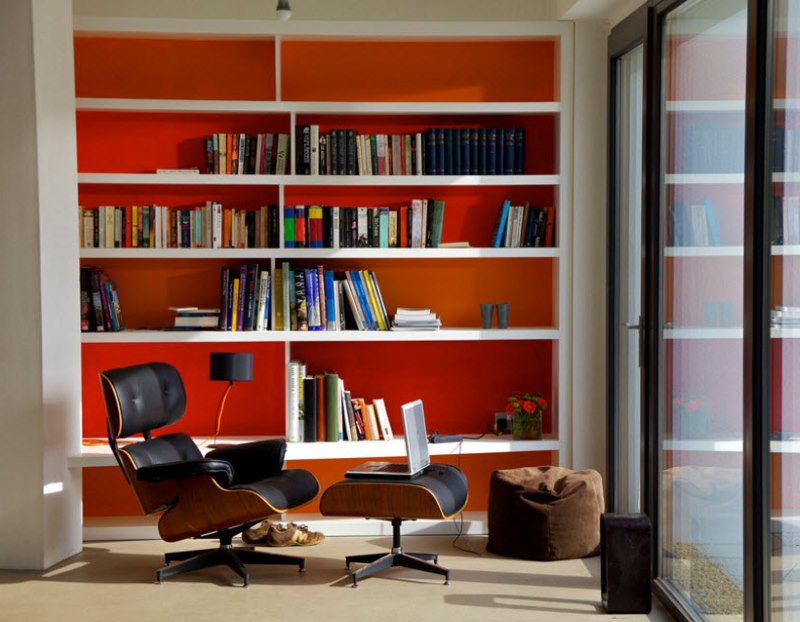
<point x="141" y="398"/>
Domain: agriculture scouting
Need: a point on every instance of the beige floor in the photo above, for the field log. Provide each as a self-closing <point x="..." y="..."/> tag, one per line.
<point x="115" y="581"/>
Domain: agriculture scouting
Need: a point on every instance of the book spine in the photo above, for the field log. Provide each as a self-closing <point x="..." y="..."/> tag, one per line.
<point x="519" y="151"/>
<point x="309" y="410"/>
<point x="321" y="301"/>
<point x="333" y="416"/>
<point x="301" y="301"/>
<point x="331" y="321"/>
<point x="430" y="151"/>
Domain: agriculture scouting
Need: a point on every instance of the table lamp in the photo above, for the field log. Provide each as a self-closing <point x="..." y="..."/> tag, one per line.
<point x="230" y="366"/>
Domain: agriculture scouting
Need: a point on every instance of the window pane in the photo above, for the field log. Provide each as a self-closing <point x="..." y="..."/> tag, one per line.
<point x="702" y="199"/>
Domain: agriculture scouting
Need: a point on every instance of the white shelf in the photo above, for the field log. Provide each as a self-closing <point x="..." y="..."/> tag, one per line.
<point x="703" y="333"/>
<point x="725" y="251"/>
<point x="724" y="105"/>
<point x="786" y="178"/>
<point x="99" y="455"/>
<point x="283" y="336"/>
<point x="704" y="251"/>
<point x="322" y="108"/>
<point x="704" y="178"/>
<point x="726" y="333"/>
<point x="316" y="253"/>
<point x="706" y="105"/>
<point x="785" y="249"/>
<point x="734" y="445"/>
<point x="193" y="179"/>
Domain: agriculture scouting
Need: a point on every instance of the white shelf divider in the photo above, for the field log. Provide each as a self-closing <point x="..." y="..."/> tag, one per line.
<point x="98" y="454"/>
<point x="194" y="179"/>
<point x="322" y="108"/>
<point x="316" y="253"/>
<point x="288" y="336"/>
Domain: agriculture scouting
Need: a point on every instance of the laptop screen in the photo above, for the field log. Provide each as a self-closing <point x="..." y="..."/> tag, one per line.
<point x="416" y="436"/>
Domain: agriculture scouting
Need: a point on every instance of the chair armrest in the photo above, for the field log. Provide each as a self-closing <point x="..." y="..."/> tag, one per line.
<point x="252" y="461"/>
<point x="220" y="470"/>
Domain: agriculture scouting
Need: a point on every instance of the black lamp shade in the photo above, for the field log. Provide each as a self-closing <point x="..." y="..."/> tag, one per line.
<point x="231" y="366"/>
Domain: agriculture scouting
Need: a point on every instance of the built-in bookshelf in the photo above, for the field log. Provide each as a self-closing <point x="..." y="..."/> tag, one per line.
<point x="159" y="119"/>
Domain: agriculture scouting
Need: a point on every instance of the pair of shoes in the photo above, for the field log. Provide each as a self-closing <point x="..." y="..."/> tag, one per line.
<point x="278" y="535"/>
<point x="257" y="533"/>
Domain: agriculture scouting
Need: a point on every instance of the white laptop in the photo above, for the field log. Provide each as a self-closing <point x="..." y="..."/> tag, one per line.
<point x="416" y="440"/>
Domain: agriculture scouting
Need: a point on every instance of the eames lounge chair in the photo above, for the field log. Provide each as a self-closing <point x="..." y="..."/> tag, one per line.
<point x="217" y="496"/>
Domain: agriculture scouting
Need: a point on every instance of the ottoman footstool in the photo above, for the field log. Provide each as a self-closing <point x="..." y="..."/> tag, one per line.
<point x="545" y="513"/>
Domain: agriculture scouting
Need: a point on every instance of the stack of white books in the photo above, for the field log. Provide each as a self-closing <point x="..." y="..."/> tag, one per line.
<point x="195" y="318"/>
<point x="785" y="316"/>
<point x="415" y="319"/>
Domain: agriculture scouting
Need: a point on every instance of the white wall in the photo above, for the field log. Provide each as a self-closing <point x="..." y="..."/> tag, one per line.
<point x="40" y="331"/>
<point x="589" y="243"/>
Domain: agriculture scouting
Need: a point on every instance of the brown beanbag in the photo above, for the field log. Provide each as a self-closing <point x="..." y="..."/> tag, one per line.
<point x="545" y="513"/>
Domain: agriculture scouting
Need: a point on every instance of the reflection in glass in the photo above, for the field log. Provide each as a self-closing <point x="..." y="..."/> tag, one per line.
<point x="702" y="199"/>
<point x="785" y="315"/>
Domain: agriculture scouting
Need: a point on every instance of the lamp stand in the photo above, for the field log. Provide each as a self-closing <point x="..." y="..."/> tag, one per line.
<point x="220" y="408"/>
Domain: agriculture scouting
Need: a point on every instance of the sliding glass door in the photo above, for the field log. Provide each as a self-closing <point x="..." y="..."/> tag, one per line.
<point x="700" y="355"/>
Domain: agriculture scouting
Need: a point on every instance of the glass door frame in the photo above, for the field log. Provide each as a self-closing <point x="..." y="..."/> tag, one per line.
<point x="624" y="37"/>
<point x="757" y="339"/>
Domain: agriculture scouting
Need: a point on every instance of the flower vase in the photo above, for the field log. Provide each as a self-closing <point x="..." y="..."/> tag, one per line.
<point x="526" y="426"/>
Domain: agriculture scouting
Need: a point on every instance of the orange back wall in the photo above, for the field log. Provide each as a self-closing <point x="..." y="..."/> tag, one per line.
<point x="133" y="67"/>
<point x="486" y="71"/>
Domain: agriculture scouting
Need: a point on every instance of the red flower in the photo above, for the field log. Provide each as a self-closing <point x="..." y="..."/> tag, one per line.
<point x="529" y="406"/>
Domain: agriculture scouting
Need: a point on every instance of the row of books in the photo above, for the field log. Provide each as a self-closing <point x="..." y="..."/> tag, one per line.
<point x="418" y="225"/>
<point x="433" y="151"/>
<point x="158" y="226"/>
<point x="322" y="409"/>
<point x="786" y="220"/>
<point x="247" y="154"/>
<point x="523" y="226"/>
<point x="245" y="297"/>
<point x="692" y="224"/>
<point x="320" y="299"/>
<point x="100" y="307"/>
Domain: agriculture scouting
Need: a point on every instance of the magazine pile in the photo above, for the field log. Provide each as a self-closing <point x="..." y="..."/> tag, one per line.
<point x="415" y="319"/>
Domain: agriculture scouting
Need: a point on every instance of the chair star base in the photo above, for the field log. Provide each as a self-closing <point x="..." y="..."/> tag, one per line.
<point x="376" y="562"/>
<point x="224" y="555"/>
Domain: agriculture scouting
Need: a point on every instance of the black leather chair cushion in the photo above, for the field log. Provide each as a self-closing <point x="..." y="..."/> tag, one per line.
<point x="221" y="471"/>
<point x="252" y="461"/>
<point x="150" y="396"/>
<point x="163" y="449"/>
<point x="285" y="490"/>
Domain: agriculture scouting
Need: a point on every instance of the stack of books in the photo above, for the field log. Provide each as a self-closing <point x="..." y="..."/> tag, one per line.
<point x="415" y="319"/>
<point x="195" y="318"/>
